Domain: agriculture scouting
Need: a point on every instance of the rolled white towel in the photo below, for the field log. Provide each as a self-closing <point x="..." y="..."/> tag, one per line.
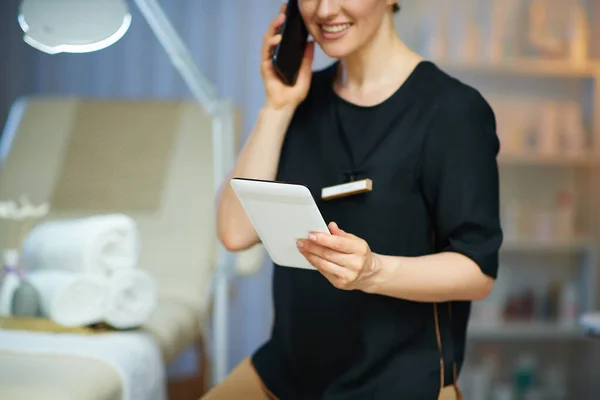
<point x="98" y="244"/>
<point x="132" y="297"/>
<point x="71" y="298"/>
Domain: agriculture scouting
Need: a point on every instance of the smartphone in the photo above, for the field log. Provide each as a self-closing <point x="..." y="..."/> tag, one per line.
<point x="288" y="54"/>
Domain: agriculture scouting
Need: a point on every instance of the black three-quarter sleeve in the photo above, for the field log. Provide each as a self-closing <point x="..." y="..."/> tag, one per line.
<point x="459" y="179"/>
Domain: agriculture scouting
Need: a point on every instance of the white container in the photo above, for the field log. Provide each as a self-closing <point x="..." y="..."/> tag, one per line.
<point x="502" y="392"/>
<point x="545" y="225"/>
<point x="555" y="383"/>
<point x="569" y="305"/>
<point x="565" y="214"/>
<point x="10" y="282"/>
<point x="579" y="35"/>
<point x="572" y="130"/>
<point x="549" y="114"/>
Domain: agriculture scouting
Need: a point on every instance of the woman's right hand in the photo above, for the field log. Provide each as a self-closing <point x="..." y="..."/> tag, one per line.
<point x="280" y="95"/>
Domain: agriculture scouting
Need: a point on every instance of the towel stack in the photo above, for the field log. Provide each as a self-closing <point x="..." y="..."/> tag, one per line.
<point x="86" y="271"/>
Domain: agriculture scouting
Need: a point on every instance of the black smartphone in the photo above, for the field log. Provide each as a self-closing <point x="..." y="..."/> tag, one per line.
<point x="288" y="54"/>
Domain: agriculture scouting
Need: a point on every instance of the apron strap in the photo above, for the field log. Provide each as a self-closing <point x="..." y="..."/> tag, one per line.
<point x="439" y="344"/>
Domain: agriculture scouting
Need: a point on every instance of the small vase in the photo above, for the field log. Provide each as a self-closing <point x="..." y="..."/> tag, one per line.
<point x="26" y="301"/>
<point x="17" y="296"/>
<point x="9" y="281"/>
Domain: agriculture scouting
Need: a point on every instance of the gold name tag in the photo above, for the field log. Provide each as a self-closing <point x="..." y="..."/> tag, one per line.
<point x="346" y="189"/>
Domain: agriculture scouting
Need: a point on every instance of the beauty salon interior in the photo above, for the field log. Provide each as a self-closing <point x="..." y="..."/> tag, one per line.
<point x="121" y="119"/>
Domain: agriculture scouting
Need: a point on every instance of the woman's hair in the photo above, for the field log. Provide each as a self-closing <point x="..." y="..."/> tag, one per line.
<point x="396" y="7"/>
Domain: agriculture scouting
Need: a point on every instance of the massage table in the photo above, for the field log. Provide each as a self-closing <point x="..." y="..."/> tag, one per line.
<point x="151" y="160"/>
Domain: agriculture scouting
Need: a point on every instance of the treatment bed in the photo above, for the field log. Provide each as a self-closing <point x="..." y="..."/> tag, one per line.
<point x="151" y="160"/>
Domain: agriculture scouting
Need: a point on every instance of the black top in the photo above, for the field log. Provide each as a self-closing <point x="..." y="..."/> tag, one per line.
<point x="430" y="150"/>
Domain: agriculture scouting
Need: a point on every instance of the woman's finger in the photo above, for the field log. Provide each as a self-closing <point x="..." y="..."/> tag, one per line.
<point x="327" y="267"/>
<point x="327" y="253"/>
<point x="271" y="32"/>
<point x="342" y="244"/>
<point x="273" y="41"/>
<point x="336" y="230"/>
<point x="307" y="60"/>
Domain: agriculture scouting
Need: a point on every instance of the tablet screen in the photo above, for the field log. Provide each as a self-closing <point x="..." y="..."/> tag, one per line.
<point x="281" y="213"/>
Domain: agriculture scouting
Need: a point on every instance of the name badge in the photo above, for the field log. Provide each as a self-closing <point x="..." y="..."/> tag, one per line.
<point x="346" y="189"/>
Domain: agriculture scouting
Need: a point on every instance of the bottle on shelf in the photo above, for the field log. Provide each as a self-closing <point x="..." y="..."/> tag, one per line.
<point x="549" y="112"/>
<point x="569" y="309"/>
<point x="544" y="224"/>
<point x="555" y="382"/>
<point x="548" y="24"/>
<point x="524" y="376"/>
<point x="499" y="37"/>
<point x="551" y="302"/>
<point x="572" y="132"/>
<point x="435" y="32"/>
<point x="579" y="34"/>
<point x="565" y="214"/>
<point x="511" y="218"/>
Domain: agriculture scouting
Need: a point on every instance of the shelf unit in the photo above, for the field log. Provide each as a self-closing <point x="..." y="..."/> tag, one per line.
<point x="488" y="44"/>
<point x="527" y="67"/>
<point x="587" y="160"/>
<point x="514" y="162"/>
<point x="553" y="339"/>
<point x="525" y="330"/>
<point x="532" y="69"/>
<point x="529" y="245"/>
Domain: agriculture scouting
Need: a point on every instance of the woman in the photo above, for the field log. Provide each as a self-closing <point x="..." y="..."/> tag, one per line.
<point x="385" y="313"/>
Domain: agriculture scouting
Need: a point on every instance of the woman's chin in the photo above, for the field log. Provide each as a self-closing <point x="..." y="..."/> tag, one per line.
<point x="337" y="51"/>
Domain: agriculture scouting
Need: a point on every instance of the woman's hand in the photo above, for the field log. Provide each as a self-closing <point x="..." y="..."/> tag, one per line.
<point x="344" y="259"/>
<point x="280" y="95"/>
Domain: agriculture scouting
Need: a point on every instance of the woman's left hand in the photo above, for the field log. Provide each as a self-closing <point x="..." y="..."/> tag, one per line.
<point x="344" y="259"/>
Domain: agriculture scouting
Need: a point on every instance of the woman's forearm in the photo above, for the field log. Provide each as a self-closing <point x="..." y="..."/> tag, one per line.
<point x="258" y="160"/>
<point x="432" y="278"/>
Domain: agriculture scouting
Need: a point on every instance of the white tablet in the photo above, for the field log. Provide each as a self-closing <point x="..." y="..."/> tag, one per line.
<point x="281" y="214"/>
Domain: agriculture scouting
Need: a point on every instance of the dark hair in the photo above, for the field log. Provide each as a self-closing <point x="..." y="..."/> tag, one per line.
<point x="396" y="8"/>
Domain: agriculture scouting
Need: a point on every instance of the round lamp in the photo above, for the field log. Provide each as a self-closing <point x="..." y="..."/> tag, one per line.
<point x="73" y="26"/>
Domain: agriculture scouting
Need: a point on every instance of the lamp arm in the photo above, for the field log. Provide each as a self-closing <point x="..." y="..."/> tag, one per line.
<point x="202" y="89"/>
<point x="223" y="140"/>
<point x="223" y="156"/>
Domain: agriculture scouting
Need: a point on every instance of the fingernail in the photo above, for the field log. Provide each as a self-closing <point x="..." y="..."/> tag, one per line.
<point x="299" y="243"/>
<point x="312" y="237"/>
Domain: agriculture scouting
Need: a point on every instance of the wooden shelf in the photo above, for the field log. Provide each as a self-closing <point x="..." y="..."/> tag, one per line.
<point x="575" y="244"/>
<point x="525" y="330"/>
<point x="550" y="161"/>
<point x="536" y="68"/>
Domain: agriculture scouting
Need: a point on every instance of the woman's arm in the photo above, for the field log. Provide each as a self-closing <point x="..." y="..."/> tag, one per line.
<point x="258" y="159"/>
<point x="433" y="278"/>
<point x="349" y="264"/>
<point x="260" y="156"/>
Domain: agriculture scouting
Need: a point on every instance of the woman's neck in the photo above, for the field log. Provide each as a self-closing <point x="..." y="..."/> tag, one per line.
<point x="378" y="62"/>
